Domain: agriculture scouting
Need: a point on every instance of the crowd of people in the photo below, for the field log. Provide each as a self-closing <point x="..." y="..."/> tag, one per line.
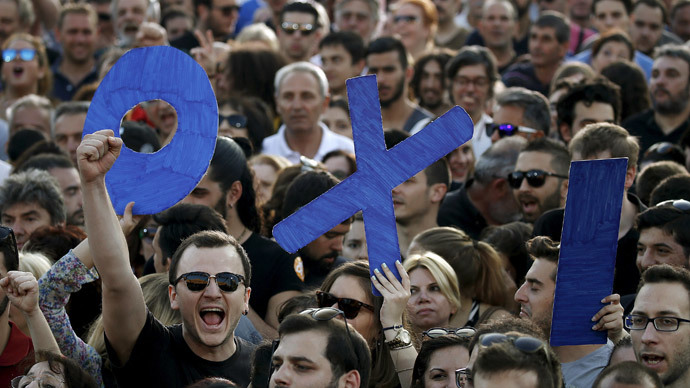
<point x="201" y="295"/>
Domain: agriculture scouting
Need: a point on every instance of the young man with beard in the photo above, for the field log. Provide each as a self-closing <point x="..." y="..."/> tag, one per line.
<point x="388" y="60"/>
<point x="449" y="34"/>
<point x="429" y="82"/>
<point x="342" y="57"/>
<point x="323" y="254"/>
<point x="580" y="364"/>
<point x="540" y="178"/>
<point x="669" y="87"/>
<point x="659" y="324"/>
<point x="209" y="283"/>
<point x="77" y="33"/>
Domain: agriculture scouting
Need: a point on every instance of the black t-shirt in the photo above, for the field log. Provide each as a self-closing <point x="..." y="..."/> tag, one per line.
<point x="273" y="271"/>
<point x="162" y="358"/>
<point x="645" y="127"/>
<point x="457" y="210"/>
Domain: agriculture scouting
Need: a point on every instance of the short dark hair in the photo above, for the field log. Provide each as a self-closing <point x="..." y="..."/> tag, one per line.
<point x="440" y="56"/>
<point x="306" y="187"/>
<point x="614" y="35"/>
<point x="351" y="42"/>
<point x="21" y="141"/>
<point x="210" y="239"/>
<point x="560" y="154"/>
<point x="300" y="7"/>
<point x="599" y="137"/>
<point x="555" y="20"/>
<point x="429" y="347"/>
<point x="502" y="357"/>
<point x="343" y="355"/>
<point x="672" y="221"/>
<point x="679" y="51"/>
<point x="677" y="5"/>
<point x="174" y="12"/>
<point x="664" y="273"/>
<point x="34" y="186"/>
<point x="598" y="90"/>
<point x="653" y="4"/>
<point x="627" y="4"/>
<point x="473" y="55"/>
<point x="68" y="108"/>
<point x="542" y="247"/>
<point x="629" y="372"/>
<point x="387" y="44"/>
<point x="535" y="106"/>
<point x="438" y="172"/>
<point x="650" y="177"/>
<point x="632" y="82"/>
<point x="673" y="187"/>
<point x="46" y="162"/>
<point x="183" y="220"/>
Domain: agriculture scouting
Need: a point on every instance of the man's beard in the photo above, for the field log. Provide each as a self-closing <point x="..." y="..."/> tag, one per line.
<point x="221" y="206"/>
<point x="675" y="105"/>
<point x="396" y="96"/>
<point x="319" y="264"/>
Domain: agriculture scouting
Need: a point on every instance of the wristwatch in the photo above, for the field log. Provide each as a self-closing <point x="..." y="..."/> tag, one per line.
<point x="402" y="340"/>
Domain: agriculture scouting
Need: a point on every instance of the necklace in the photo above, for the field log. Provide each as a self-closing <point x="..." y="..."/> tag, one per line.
<point x="239" y="239"/>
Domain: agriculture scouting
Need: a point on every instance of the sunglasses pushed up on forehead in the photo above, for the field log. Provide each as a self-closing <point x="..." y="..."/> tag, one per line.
<point x="350" y="307"/>
<point x="198" y="281"/>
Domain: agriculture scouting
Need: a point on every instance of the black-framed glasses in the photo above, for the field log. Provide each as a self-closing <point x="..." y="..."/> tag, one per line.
<point x="436" y="332"/>
<point x="234" y="120"/>
<point x="679" y="204"/>
<point x="304" y="28"/>
<point x="535" y="178"/>
<point x="44" y="381"/>
<point x="148" y="233"/>
<point x="507" y="130"/>
<point x="525" y="344"/>
<point x="228" y="10"/>
<point x="350" y="307"/>
<point x="26" y="54"/>
<point x="664" y="324"/>
<point x="462" y="377"/>
<point x="198" y="281"/>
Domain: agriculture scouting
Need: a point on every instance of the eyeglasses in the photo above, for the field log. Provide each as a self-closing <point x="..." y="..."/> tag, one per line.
<point x="6" y="233"/>
<point x="290" y="28"/>
<point x="529" y="345"/>
<point x="505" y="130"/>
<point x="404" y="18"/>
<point x="45" y="381"/>
<point x="462" y="377"/>
<point x="198" y="281"/>
<point x="236" y="121"/>
<point x="228" y="10"/>
<point x="679" y="204"/>
<point x="350" y="307"/>
<point x="535" y="178"/>
<point x="479" y="82"/>
<point x="665" y="324"/>
<point x="25" y="55"/>
<point x="148" y="234"/>
<point x="441" y="331"/>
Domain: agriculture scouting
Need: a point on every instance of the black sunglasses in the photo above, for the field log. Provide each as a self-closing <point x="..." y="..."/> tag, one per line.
<point x="524" y="344"/>
<point x="441" y="331"/>
<point x="148" y="233"/>
<point x="291" y="28"/>
<point x="228" y="9"/>
<point x="535" y="178"/>
<point x="350" y="307"/>
<point x="198" y="281"/>
<point x="235" y="120"/>
<point x="8" y="233"/>
<point x="507" y="130"/>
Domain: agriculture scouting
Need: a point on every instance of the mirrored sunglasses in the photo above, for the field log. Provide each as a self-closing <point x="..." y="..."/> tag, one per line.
<point x="350" y="307"/>
<point x="291" y="28"/>
<point x="25" y="55"/>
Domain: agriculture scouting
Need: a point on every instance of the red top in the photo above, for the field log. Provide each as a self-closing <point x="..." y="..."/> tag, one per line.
<point x="19" y="348"/>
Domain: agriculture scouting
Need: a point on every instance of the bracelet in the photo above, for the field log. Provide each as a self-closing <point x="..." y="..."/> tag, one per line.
<point x="394" y="327"/>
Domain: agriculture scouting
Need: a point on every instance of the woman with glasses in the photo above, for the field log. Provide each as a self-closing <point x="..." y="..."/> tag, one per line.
<point x="25" y="69"/>
<point x="479" y="270"/>
<point x="438" y="360"/>
<point x="415" y="22"/>
<point x="246" y="117"/>
<point x="348" y="288"/>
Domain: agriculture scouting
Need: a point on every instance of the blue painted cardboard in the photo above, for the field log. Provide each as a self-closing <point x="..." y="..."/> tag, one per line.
<point x="157" y="181"/>
<point x="588" y="249"/>
<point x="378" y="172"/>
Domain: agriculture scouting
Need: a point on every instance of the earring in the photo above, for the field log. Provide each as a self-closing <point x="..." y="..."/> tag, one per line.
<point x="245" y="312"/>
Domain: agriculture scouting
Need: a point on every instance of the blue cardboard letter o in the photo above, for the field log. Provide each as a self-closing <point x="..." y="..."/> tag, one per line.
<point x="157" y="181"/>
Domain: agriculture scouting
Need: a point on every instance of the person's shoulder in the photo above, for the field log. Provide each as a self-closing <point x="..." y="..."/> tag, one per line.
<point x="638" y="119"/>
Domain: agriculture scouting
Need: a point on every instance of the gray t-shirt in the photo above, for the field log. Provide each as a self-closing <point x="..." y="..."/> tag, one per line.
<point x="583" y="372"/>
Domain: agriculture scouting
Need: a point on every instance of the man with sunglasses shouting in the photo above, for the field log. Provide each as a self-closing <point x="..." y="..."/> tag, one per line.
<point x="209" y="285"/>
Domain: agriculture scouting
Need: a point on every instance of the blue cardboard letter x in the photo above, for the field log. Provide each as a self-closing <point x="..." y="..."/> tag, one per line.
<point x="378" y="172"/>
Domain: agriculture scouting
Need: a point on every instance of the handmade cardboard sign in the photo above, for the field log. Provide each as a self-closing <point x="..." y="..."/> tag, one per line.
<point x="378" y="172"/>
<point x="588" y="249"/>
<point x="157" y="181"/>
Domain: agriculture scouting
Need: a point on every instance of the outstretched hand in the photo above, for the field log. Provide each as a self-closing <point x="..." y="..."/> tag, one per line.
<point x="610" y="318"/>
<point x="21" y="289"/>
<point x="395" y="293"/>
<point x="97" y="153"/>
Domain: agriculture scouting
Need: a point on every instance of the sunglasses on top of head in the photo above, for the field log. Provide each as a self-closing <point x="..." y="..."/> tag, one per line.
<point x="25" y="55"/>
<point x="350" y="307"/>
<point x="291" y="28"/>
<point x="535" y="178"/>
<point x="198" y="281"/>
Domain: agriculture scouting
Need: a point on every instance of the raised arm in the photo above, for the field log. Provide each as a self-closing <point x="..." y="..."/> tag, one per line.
<point x="22" y="290"/>
<point x="124" y="310"/>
